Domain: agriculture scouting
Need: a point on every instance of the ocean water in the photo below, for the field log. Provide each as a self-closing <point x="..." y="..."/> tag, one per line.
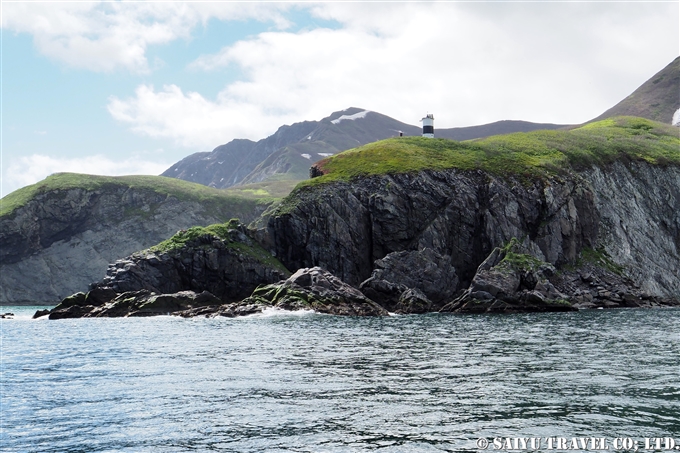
<point x="303" y="382"/>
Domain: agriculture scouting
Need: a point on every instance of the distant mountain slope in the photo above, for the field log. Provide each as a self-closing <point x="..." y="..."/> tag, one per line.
<point x="58" y="236"/>
<point x="288" y="153"/>
<point x="657" y="99"/>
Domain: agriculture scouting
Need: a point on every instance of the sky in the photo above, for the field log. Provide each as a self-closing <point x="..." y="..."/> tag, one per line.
<point x="118" y="88"/>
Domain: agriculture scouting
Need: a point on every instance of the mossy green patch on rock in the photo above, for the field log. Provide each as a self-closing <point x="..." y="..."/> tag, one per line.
<point x="519" y="261"/>
<point x="284" y="295"/>
<point x="231" y="234"/>
<point x="600" y="258"/>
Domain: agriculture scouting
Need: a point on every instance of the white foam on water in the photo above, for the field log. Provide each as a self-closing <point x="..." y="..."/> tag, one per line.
<point x="271" y="312"/>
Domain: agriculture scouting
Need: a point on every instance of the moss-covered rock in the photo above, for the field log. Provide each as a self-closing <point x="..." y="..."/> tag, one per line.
<point x="509" y="281"/>
<point x="318" y="290"/>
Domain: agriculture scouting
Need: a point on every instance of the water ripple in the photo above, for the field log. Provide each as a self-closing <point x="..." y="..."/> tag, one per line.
<point x="318" y="383"/>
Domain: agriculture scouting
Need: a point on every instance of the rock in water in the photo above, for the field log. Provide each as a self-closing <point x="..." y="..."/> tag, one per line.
<point x="221" y="259"/>
<point x="510" y="281"/>
<point x="319" y="290"/>
<point x="134" y="303"/>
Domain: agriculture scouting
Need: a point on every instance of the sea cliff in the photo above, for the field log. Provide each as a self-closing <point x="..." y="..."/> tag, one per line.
<point x="527" y="222"/>
<point x="60" y="235"/>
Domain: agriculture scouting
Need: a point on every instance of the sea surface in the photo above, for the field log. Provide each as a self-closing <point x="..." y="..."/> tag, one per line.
<point x="303" y="382"/>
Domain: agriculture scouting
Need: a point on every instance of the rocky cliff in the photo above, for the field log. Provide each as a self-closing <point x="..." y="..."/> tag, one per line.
<point x="526" y="222"/>
<point x="453" y="220"/>
<point x="59" y="235"/>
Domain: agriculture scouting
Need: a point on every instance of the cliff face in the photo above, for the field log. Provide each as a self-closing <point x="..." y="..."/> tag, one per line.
<point x="639" y="211"/>
<point x="626" y="211"/>
<point x="62" y="240"/>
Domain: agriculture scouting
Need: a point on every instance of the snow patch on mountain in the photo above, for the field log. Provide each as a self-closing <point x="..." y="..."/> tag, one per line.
<point x="356" y="116"/>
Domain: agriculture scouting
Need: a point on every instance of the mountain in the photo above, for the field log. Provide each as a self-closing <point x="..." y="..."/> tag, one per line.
<point x="657" y="99"/>
<point x="288" y="153"/>
<point x="62" y="232"/>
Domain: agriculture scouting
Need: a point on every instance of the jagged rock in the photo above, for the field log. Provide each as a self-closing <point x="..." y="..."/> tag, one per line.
<point x="74" y="311"/>
<point x="346" y="227"/>
<point x="413" y="301"/>
<point x="40" y="313"/>
<point x="318" y="290"/>
<point x="424" y="270"/>
<point x="229" y="267"/>
<point x="134" y="303"/>
<point x="510" y="282"/>
<point x="614" y="290"/>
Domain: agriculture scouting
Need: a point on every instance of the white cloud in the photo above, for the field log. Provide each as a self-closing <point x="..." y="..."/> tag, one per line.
<point x="192" y="120"/>
<point x="31" y="169"/>
<point x="468" y="63"/>
<point x="103" y="36"/>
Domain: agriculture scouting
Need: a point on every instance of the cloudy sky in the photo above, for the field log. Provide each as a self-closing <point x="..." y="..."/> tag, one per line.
<point x="132" y="87"/>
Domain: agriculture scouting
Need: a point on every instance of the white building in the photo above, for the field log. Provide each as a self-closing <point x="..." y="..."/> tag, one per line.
<point x="428" y="126"/>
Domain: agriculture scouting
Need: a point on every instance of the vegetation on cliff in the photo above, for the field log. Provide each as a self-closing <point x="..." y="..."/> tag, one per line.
<point x="231" y="233"/>
<point x="212" y="199"/>
<point x="531" y="154"/>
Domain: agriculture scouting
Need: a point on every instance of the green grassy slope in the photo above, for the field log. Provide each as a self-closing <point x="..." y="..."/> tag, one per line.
<point x="530" y="154"/>
<point x="266" y="190"/>
<point x="218" y="201"/>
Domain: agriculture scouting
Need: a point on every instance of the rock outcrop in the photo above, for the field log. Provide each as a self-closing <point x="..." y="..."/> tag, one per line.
<point x="318" y="290"/>
<point x="221" y="260"/>
<point x="307" y="289"/>
<point x="629" y="211"/>
<point x="509" y="281"/>
<point x="61" y="240"/>
<point x="129" y="304"/>
<point x="412" y="281"/>
<point x="463" y="241"/>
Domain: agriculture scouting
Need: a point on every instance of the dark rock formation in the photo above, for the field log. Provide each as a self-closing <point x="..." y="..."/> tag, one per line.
<point x="428" y="277"/>
<point x="65" y="238"/>
<point x="419" y="242"/>
<point x="595" y="286"/>
<point x="509" y="281"/>
<point x="229" y="267"/>
<point x="318" y="290"/>
<point x="307" y="289"/>
<point x="133" y="304"/>
<point x="348" y="228"/>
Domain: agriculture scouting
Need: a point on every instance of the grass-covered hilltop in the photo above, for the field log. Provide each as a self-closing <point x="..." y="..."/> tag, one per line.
<point x="530" y="154"/>
<point x="211" y="198"/>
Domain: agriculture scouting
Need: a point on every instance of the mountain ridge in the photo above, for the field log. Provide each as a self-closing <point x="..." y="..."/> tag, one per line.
<point x="657" y="99"/>
<point x="290" y="151"/>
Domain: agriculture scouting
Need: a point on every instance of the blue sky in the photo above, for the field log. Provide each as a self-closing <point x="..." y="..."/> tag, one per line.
<point x="132" y="87"/>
